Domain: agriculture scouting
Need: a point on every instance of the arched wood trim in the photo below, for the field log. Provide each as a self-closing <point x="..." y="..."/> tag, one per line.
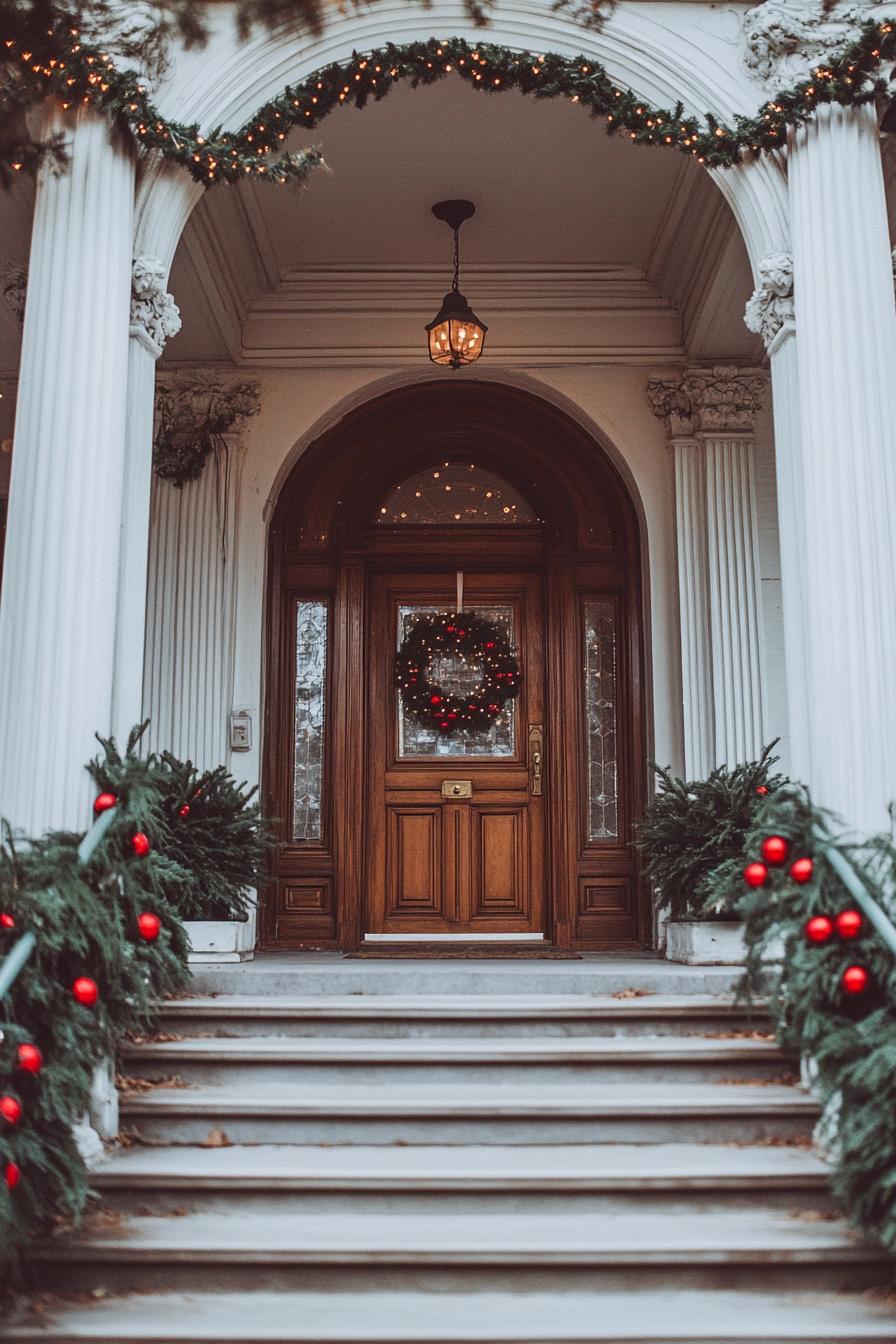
<point x="323" y="542"/>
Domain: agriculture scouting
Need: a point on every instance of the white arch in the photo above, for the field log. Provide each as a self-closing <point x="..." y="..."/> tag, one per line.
<point x="668" y="54"/>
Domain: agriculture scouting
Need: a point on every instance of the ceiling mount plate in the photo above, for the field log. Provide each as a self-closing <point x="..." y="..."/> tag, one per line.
<point x="454" y="212"/>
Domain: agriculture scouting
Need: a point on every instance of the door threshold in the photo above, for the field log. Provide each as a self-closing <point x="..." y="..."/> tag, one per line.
<point x="454" y="938"/>
<point x="462" y="951"/>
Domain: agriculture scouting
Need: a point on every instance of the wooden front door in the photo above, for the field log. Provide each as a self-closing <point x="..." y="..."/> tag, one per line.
<point x="456" y="837"/>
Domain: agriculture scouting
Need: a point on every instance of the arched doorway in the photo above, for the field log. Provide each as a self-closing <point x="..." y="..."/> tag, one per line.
<point x="518" y="833"/>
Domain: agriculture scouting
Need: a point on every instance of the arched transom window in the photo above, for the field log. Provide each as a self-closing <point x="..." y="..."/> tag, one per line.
<point x="459" y="493"/>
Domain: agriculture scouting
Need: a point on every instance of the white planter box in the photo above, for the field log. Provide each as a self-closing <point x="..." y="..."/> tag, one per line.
<point x="707" y="943"/>
<point x="221" y="939"/>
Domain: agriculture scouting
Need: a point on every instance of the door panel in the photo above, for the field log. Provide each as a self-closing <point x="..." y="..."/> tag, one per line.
<point x="438" y="863"/>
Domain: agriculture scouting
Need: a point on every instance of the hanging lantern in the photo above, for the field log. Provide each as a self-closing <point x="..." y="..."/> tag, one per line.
<point x="456" y="335"/>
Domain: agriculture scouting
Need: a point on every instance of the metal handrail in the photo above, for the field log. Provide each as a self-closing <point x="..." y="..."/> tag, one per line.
<point x="18" y="955"/>
<point x="855" y="883"/>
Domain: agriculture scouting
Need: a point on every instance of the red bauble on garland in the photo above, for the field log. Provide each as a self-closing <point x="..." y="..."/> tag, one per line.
<point x="184" y="811"/>
<point x="755" y="874"/>
<point x="481" y="645"/>
<point x="86" y="991"/>
<point x="801" y="870"/>
<point x="761" y="789"/>
<point x="855" y="980"/>
<point x="819" y="929"/>
<point x="10" y="1110"/>
<point x="140" y="844"/>
<point x="848" y="923"/>
<point x="7" y="922"/>
<point x="103" y="802"/>
<point x="30" y="1058"/>
<point x="149" y="925"/>
<point x="775" y="850"/>
<point x="12" y="1175"/>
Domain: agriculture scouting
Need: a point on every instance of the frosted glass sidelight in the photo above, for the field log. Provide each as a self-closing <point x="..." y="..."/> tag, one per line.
<point x="456" y="493"/>
<point x="311" y="684"/>
<point x="417" y="739"/>
<point x="600" y="718"/>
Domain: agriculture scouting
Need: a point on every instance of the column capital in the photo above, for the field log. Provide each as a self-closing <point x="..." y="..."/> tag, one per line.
<point x="785" y="40"/>
<point x="719" y="400"/>
<point x="154" y="315"/>
<point x="196" y="412"/>
<point x="771" y="305"/>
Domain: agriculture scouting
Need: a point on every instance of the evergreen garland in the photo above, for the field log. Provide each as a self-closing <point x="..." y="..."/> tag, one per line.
<point x="850" y="1038"/>
<point x="86" y="920"/>
<point x="56" y="63"/>
<point x="691" y="828"/>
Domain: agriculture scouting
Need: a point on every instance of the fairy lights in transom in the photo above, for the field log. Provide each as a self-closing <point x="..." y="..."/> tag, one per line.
<point x="457" y="494"/>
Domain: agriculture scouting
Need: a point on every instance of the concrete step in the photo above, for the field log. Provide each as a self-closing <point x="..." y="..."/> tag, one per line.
<point x="585" y="1178"/>
<point x="460" y="1253"/>
<point x="276" y="974"/>
<point x="673" y="1316"/>
<point x="615" y="1113"/>
<point x="479" y="1015"/>
<point x="276" y="1061"/>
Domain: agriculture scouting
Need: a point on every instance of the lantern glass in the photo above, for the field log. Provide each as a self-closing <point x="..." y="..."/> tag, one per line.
<point x="456" y="335"/>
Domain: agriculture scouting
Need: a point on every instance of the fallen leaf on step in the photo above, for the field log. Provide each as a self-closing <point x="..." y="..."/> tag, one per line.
<point x="816" y="1215"/>
<point x="216" y="1139"/>
<point x="632" y="993"/>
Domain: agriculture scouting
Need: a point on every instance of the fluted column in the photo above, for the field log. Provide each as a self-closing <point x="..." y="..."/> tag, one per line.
<point x="191" y="589"/>
<point x="846" y="324"/>
<point x="709" y="416"/>
<point x="770" y="313"/>
<point x="154" y="318"/>
<point x="58" y="613"/>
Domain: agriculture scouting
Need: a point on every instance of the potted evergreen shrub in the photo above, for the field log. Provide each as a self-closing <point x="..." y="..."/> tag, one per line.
<point x="690" y="835"/>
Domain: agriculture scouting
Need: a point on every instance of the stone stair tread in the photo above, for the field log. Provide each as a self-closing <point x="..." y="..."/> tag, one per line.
<point x="668" y="1317"/>
<point x="473" y="1099"/>
<point x="441" y="1239"/>
<point x="554" y="1167"/>
<point x="441" y="1050"/>
<point x="465" y="1006"/>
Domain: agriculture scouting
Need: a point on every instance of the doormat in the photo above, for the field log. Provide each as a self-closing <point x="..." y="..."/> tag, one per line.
<point x="460" y="952"/>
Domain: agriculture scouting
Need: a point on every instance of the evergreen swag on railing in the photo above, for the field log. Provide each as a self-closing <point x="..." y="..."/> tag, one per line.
<point x="108" y="944"/>
<point x="57" y="64"/>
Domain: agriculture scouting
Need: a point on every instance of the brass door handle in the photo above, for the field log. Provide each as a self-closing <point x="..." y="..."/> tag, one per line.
<point x="536" y="749"/>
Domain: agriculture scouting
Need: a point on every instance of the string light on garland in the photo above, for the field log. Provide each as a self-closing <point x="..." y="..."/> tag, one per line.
<point x="476" y="647"/>
<point x="76" y="73"/>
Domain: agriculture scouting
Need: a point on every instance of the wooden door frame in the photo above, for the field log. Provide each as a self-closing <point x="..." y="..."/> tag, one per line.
<point x="322" y="545"/>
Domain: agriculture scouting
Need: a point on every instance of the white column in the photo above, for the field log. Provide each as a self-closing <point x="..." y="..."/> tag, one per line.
<point x="846" y="324"/>
<point x="693" y="594"/>
<point x="735" y="618"/>
<point x="709" y="415"/>
<point x="191" y="592"/>
<point x="57" y="619"/>
<point x="154" y="318"/>
<point x="770" y="313"/>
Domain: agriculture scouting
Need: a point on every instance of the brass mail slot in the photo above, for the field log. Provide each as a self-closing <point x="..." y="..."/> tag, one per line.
<point x="457" y="788"/>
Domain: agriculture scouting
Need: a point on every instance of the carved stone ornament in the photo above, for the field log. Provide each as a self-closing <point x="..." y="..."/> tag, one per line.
<point x="720" y="400"/>
<point x="194" y="412"/>
<point x="134" y="34"/>
<point x="15" y="289"/>
<point x="772" y="302"/>
<point x="152" y="307"/>
<point x="786" y="39"/>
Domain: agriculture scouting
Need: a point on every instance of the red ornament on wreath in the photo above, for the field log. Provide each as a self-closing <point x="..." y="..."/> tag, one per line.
<point x="855" y="980"/>
<point x="86" y="991"/>
<point x="140" y="844"/>
<point x="103" y="802"/>
<point x="486" y="671"/>
<point x="10" y="1110"/>
<point x="801" y="870"/>
<point x="819" y="928"/>
<point x="848" y="923"/>
<point x="755" y="874"/>
<point x="149" y="926"/>
<point x="29" y="1058"/>
<point x="12" y="1175"/>
<point x="775" y="849"/>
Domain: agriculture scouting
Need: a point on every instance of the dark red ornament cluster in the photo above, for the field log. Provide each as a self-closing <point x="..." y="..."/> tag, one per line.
<point x="847" y="925"/>
<point x="482" y="645"/>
